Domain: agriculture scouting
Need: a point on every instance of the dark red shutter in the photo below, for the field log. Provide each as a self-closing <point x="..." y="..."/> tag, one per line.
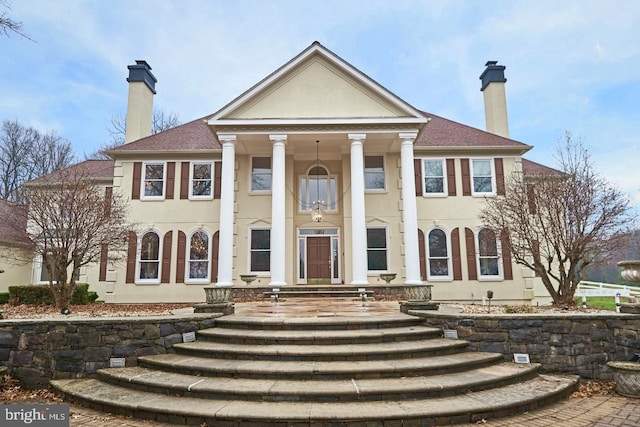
<point x="104" y="260"/>
<point x="466" y="179"/>
<point x="166" y="257"/>
<point x="137" y="176"/>
<point x="171" y="177"/>
<point x="131" y="257"/>
<point x="451" y="177"/>
<point x="417" y="173"/>
<point x="215" y="250"/>
<point x="506" y="256"/>
<point x="422" y="254"/>
<point x="499" y="176"/>
<point x="471" y="254"/>
<point x="184" y="180"/>
<point x="108" y="197"/>
<point x="217" y="179"/>
<point x="536" y="253"/>
<point x="531" y="199"/>
<point x="182" y="249"/>
<point x="455" y="253"/>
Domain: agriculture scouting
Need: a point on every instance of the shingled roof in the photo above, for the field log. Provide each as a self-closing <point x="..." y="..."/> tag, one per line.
<point x="530" y="168"/>
<point x="441" y="132"/>
<point x="191" y="136"/>
<point x="101" y="170"/>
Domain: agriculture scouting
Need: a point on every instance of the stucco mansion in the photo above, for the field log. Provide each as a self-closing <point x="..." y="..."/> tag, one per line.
<point x="315" y="175"/>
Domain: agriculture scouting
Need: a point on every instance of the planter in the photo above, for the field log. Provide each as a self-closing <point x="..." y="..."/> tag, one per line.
<point x="388" y="277"/>
<point x="627" y="378"/>
<point x="419" y="293"/>
<point x="248" y="278"/>
<point x="630" y="270"/>
<point x="215" y="294"/>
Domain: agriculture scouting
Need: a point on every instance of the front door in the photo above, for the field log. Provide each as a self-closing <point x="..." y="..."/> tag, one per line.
<point x="318" y="259"/>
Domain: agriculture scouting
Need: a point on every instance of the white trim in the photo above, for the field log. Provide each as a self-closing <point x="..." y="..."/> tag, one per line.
<point x="211" y="178"/>
<point x="143" y="178"/>
<point x="449" y="276"/>
<point x="260" y="192"/>
<point x="187" y="257"/>
<point x="138" y="280"/>
<point x="386" y="249"/>
<point x="493" y="177"/>
<point x="249" y="237"/>
<point x="384" y="172"/>
<point x="445" y="187"/>
<point x="481" y="277"/>
<point x="302" y="278"/>
<point x="318" y="49"/>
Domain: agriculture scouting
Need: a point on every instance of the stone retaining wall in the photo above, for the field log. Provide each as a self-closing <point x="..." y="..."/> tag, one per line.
<point x="579" y="344"/>
<point x="36" y="351"/>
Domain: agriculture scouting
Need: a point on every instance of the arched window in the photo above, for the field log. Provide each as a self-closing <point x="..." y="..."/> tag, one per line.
<point x="149" y="258"/>
<point x="198" y="264"/>
<point x="439" y="255"/>
<point x="488" y="259"/>
<point x="318" y="186"/>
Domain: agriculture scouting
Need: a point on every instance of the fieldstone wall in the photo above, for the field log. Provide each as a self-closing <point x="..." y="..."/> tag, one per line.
<point x="36" y="351"/>
<point x="579" y="344"/>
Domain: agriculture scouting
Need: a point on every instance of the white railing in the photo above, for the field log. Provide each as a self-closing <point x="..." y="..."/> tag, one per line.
<point x="592" y="289"/>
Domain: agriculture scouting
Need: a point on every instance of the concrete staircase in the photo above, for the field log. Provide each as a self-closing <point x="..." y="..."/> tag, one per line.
<point x="338" y="371"/>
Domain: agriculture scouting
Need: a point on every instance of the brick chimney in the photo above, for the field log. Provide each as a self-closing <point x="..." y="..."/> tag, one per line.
<point x="495" y="99"/>
<point x="142" y="87"/>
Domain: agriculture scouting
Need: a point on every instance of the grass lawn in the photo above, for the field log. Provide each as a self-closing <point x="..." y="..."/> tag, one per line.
<point x="600" y="303"/>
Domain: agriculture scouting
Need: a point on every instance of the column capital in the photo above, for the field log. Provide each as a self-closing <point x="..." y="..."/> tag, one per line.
<point x="227" y="137"/>
<point x="408" y="136"/>
<point x="357" y="136"/>
<point x="278" y="138"/>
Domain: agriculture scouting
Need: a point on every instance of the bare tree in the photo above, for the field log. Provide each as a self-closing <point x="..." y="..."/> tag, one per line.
<point x="558" y="223"/>
<point x="7" y="24"/>
<point x="25" y="154"/>
<point x="160" y="122"/>
<point x="74" y="221"/>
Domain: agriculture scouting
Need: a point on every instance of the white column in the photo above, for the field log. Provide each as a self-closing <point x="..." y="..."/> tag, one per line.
<point x="225" y="252"/>
<point x="358" y="225"/>
<point x="409" y="210"/>
<point x="278" y="191"/>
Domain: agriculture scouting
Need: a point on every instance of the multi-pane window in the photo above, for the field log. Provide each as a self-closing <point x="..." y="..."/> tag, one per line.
<point x="201" y="174"/>
<point x="153" y="180"/>
<point x="377" y="249"/>
<point x="434" y="174"/>
<point x="317" y="187"/>
<point x="374" y="172"/>
<point x="198" y="264"/>
<point x="260" y="174"/>
<point x="488" y="259"/>
<point x="260" y="250"/>
<point x="482" y="173"/>
<point x="438" y="254"/>
<point x="44" y="272"/>
<point x="149" y="260"/>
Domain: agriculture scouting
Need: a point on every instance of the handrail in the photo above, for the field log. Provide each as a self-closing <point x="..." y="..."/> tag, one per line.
<point x="584" y="284"/>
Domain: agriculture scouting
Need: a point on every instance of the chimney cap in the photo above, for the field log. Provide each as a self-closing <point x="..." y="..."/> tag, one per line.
<point x="141" y="72"/>
<point x="494" y="73"/>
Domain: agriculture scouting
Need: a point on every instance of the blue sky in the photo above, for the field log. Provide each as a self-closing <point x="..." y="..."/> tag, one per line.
<point x="571" y="65"/>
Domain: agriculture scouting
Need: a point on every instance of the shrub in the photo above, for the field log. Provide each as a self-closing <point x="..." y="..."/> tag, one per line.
<point x="4" y="297"/>
<point x="41" y="294"/>
<point x="518" y="309"/>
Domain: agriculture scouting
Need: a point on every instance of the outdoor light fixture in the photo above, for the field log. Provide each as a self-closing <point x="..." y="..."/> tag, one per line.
<point x="489" y="297"/>
<point x="318" y="204"/>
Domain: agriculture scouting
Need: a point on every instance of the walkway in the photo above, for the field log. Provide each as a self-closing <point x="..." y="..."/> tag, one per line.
<point x="595" y="411"/>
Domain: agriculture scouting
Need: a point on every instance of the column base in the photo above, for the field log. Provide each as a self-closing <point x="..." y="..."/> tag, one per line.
<point x="226" y="308"/>
<point x="406" y="306"/>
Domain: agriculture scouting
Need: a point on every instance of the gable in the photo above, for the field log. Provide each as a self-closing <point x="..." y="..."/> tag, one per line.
<point x="316" y="89"/>
<point x="316" y="85"/>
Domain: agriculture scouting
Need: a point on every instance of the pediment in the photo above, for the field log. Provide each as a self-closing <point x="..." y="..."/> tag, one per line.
<point x="316" y="85"/>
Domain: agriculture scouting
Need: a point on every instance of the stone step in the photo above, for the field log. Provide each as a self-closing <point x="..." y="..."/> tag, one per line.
<point x="286" y="293"/>
<point x="318" y="323"/>
<point x="320" y="390"/>
<point x="228" y="334"/>
<point x="327" y="352"/>
<point x="301" y="369"/>
<point x="469" y="407"/>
